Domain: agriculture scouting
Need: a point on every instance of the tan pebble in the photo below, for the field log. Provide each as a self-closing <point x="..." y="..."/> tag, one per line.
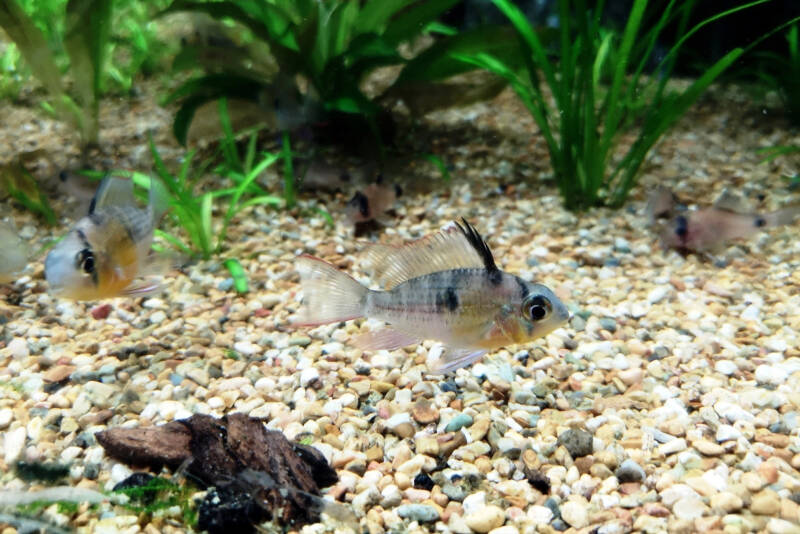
<point x="700" y="485"/>
<point x="752" y="481"/>
<point x="584" y="464"/>
<point x="600" y="471"/>
<point x="632" y="376"/>
<point x="673" y="428"/>
<point x="677" y="283"/>
<point x="655" y="509"/>
<point x="380" y="387"/>
<point x="417" y="495"/>
<point x="483" y="464"/>
<point x="790" y="510"/>
<point x="427" y="445"/>
<point x="726" y="502"/>
<point x="58" y="373"/>
<point x="608" y="458"/>
<point x="779" y="441"/>
<point x="766" y="502"/>
<point x="708" y="448"/>
<point x="438" y="497"/>
<point x="479" y="428"/>
<point x="402" y="480"/>
<point x="768" y="472"/>
<point x="374" y="454"/>
<point x="404" y="430"/>
<point x="707" y="524"/>
<point x="485" y="519"/>
<point x="530" y="459"/>
<point x="424" y="412"/>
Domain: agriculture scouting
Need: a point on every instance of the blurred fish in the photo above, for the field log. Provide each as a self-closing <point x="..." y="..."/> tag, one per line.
<point x="14" y="257"/>
<point x="108" y="250"/>
<point x="661" y="204"/>
<point x="705" y="229"/>
<point x="445" y="287"/>
<point x="373" y="201"/>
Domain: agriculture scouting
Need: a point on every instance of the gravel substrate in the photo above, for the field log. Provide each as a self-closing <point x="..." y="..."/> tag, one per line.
<point x="669" y="403"/>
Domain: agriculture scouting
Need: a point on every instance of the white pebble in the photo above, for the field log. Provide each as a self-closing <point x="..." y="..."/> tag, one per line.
<point x="308" y="376"/>
<point x="771" y="374"/>
<point x="657" y="294"/>
<point x="18" y="348"/>
<point x="246" y="348"/>
<point x="13" y="442"/>
<point x="6" y="416"/>
<point x="725" y="367"/>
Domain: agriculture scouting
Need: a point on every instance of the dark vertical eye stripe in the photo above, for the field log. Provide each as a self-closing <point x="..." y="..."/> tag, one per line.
<point x="523" y="287"/>
<point x="480" y="246"/>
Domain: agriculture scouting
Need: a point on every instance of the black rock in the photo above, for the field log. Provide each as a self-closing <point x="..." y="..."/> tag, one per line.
<point x="226" y="509"/>
<point x="578" y="442"/>
<point x="423" y="481"/>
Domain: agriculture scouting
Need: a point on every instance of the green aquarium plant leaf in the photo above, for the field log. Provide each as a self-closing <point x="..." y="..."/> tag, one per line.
<point x="326" y="49"/>
<point x="599" y="91"/>
<point x="237" y="273"/>
<point x="18" y="183"/>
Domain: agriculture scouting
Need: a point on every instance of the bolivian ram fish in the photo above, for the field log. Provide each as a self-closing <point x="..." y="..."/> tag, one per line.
<point x="109" y="249"/>
<point x="444" y="287"/>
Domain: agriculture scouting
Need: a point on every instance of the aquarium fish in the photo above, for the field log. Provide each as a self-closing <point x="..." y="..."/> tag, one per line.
<point x="661" y="203"/>
<point x="108" y="250"/>
<point x="372" y="202"/>
<point x="445" y="287"/>
<point x="15" y="255"/>
<point x="704" y="229"/>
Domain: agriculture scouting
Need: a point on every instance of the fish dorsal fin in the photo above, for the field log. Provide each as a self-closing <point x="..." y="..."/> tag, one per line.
<point x="732" y="202"/>
<point x="455" y="247"/>
<point x="112" y="191"/>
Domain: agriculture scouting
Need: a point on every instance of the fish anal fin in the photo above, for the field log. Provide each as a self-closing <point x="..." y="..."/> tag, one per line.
<point x="384" y="339"/>
<point x="454" y="359"/>
<point x="454" y="247"/>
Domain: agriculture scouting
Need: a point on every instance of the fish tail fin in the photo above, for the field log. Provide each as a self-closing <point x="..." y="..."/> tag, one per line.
<point x="329" y="295"/>
<point x="783" y="216"/>
<point x="159" y="198"/>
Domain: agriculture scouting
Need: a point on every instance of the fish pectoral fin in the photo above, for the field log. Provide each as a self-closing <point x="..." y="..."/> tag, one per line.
<point x="143" y="289"/>
<point x="384" y="338"/>
<point x="454" y="359"/>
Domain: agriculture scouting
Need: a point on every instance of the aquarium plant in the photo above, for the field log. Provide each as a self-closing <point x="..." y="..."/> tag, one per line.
<point x="331" y="46"/>
<point x="598" y="89"/>
<point x="89" y="31"/>
<point x="782" y="73"/>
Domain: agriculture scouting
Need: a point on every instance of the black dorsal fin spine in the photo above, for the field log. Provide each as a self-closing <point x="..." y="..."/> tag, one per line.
<point x="479" y="244"/>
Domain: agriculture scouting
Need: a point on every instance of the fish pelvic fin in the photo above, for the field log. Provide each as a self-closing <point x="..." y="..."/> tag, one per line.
<point x="454" y="359"/>
<point x="329" y="295"/>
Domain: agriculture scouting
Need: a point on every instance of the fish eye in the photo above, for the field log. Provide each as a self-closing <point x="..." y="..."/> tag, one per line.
<point x="537" y="308"/>
<point x="85" y="260"/>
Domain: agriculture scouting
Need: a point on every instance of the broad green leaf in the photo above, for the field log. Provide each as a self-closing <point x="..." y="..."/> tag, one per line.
<point x="376" y="13"/>
<point x="437" y="62"/>
<point x="32" y="44"/>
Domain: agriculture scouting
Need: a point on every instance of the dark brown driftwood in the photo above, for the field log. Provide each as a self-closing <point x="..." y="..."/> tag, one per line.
<point x="236" y="454"/>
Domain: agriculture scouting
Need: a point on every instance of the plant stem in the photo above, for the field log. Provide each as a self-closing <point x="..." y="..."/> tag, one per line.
<point x="288" y="172"/>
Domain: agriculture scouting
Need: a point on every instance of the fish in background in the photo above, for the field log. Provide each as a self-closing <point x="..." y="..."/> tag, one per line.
<point x="445" y="287"/>
<point x="104" y="254"/>
<point x="705" y="229"/>
<point x="14" y="258"/>
<point x="372" y="202"/>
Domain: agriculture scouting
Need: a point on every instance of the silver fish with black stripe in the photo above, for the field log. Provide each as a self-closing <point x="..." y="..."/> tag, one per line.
<point x="445" y="287"/>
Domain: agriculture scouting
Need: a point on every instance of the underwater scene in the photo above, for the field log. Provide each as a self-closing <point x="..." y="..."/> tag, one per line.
<point x="399" y="266"/>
